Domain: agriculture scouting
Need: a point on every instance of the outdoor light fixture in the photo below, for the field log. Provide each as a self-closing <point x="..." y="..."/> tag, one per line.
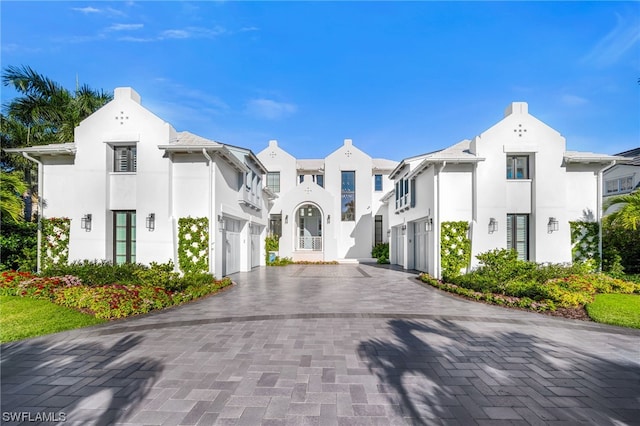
<point x="553" y="225"/>
<point x="150" y="222"/>
<point x="388" y="232"/>
<point x="220" y="223"/>
<point x="493" y="225"/>
<point x="404" y="229"/>
<point x="328" y="218"/>
<point x="286" y="218"/>
<point x="85" y="222"/>
<point x="429" y="225"/>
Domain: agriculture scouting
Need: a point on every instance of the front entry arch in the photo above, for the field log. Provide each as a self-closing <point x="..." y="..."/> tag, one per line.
<point x="309" y="230"/>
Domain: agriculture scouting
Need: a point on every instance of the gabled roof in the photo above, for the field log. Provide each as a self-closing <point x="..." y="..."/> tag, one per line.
<point x="632" y="153"/>
<point x="187" y="142"/>
<point x="458" y="153"/>
<point x="383" y="165"/>
<point x="68" y="148"/>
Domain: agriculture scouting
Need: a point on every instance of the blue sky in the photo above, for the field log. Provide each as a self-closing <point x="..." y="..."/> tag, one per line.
<point x="399" y="78"/>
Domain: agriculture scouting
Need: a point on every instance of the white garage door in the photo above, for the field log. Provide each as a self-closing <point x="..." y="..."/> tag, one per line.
<point x="255" y="245"/>
<point x="232" y="246"/>
<point x="420" y="245"/>
<point x="399" y="245"/>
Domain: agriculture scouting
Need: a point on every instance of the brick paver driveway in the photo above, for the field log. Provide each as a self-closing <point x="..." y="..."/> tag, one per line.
<point x="328" y="345"/>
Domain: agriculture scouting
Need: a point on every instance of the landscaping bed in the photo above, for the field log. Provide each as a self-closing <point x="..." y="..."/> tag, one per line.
<point x="108" y="291"/>
<point x="559" y="290"/>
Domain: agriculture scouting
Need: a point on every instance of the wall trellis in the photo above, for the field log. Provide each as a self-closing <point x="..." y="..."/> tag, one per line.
<point x="585" y="242"/>
<point x="455" y="247"/>
<point x="193" y="244"/>
<point x="54" y="249"/>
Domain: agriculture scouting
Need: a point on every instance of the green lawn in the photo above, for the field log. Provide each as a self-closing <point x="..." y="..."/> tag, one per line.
<point x="616" y="309"/>
<point x="22" y="317"/>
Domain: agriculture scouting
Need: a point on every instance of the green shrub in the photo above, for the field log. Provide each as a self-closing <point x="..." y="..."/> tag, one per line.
<point x="271" y="243"/>
<point x="381" y="252"/>
<point x="160" y="275"/>
<point x="502" y="265"/>
<point x="98" y="272"/>
<point x="18" y="246"/>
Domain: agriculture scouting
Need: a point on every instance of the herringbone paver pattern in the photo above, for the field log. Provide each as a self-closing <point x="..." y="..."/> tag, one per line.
<point x="328" y="345"/>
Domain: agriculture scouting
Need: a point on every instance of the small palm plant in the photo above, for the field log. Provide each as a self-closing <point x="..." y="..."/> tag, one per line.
<point x="627" y="211"/>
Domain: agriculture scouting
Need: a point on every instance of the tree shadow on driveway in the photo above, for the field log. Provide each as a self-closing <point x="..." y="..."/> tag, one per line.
<point x="88" y="382"/>
<point x="441" y="370"/>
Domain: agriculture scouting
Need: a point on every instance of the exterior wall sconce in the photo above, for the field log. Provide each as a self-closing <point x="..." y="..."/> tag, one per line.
<point x="429" y="225"/>
<point x="328" y="218"/>
<point x="286" y="218"/>
<point x="85" y="222"/>
<point x="388" y="232"/>
<point x="493" y="225"/>
<point x="220" y="223"/>
<point x="404" y="229"/>
<point x="150" y="222"/>
<point x="553" y="225"/>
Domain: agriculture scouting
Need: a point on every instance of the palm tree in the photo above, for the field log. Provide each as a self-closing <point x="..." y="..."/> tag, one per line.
<point x="11" y="196"/>
<point x="49" y="112"/>
<point x="627" y="215"/>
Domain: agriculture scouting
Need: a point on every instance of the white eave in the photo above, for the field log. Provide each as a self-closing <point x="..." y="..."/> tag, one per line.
<point x="386" y="197"/>
<point x="68" y="148"/>
<point x="590" y="157"/>
<point x="269" y="193"/>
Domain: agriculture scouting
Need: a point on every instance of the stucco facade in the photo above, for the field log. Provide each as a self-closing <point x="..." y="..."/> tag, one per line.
<point x="327" y="209"/>
<point x="514" y="184"/>
<point x="134" y="176"/>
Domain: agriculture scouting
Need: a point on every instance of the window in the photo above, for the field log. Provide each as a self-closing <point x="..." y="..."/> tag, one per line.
<point x="275" y="225"/>
<point x="624" y="184"/>
<point x="518" y="234"/>
<point x="348" y="196"/>
<point x="124" y="237"/>
<point x="378" y="230"/>
<point x="378" y="182"/>
<point x="319" y="179"/>
<point x="273" y="181"/>
<point x="125" y="159"/>
<point x="517" y="167"/>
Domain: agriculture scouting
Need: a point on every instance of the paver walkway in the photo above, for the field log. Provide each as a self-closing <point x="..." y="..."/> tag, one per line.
<point x="328" y="345"/>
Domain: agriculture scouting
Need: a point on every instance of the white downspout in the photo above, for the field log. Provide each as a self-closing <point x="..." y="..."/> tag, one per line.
<point x="40" y="205"/>
<point x="600" y="213"/>
<point x="211" y="221"/>
<point x="437" y="224"/>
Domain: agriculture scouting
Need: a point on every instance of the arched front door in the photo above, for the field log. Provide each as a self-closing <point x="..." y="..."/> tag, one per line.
<point x="309" y="226"/>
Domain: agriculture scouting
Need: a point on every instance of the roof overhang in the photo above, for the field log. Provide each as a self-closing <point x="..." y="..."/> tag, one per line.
<point x="42" y="150"/>
<point x="441" y="160"/>
<point x="590" y="158"/>
<point x="219" y="150"/>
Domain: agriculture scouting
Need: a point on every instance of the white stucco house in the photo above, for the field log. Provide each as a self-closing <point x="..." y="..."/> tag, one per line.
<point x="327" y="209"/>
<point x="128" y="180"/>
<point x="515" y="186"/>
<point x="622" y="178"/>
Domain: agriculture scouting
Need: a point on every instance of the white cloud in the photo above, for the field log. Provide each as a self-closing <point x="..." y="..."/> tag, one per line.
<point x="192" y="32"/>
<point x="86" y="10"/>
<point x="573" y="100"/>
<point x="125" y="27"/>
<point x="270" y="109"/>
<point x="622" y="38"/>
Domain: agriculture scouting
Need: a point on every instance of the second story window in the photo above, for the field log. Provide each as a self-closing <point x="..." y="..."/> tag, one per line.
<point x="319" y="179"/>
<point x="378" y="182"/>
<point x="125" y="159"/>
<point x="614" y="186"/>
<point x="273" y="181"/>
<point x="517" y="167"/>
<point x="348" y="196"/>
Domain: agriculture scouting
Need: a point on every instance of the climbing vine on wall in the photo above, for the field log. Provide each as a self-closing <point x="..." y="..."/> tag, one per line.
<point x="55" y="241"/>
<point x="455" y="247"/>
<point x="193" y="244"/>
<point x="585" y="242"/>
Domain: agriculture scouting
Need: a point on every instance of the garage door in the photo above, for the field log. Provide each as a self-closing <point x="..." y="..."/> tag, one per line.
<point x="399" y="245"/>
<point x="255" y="245"/>
<point x="231" y="238"/>
<point x="420" y="245"/>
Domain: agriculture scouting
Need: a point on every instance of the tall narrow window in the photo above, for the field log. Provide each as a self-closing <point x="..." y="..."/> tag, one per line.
<point x="378" y="182"/>
<point x="124" y="237"/>
<point x="518" y="234"/>
<point x="378" y="230"/>
<point x="125" y="159"/>
<point x="319" y="180"/>
<point x="273" y="181"/>
<point x="348" y="196"/>
<point x="517" y="167"/>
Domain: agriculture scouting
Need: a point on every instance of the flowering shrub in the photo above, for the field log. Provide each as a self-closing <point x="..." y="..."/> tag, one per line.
<point x="55" y="241"/>
<point x="45" y="287"/>
<point x="9" y="281"/>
